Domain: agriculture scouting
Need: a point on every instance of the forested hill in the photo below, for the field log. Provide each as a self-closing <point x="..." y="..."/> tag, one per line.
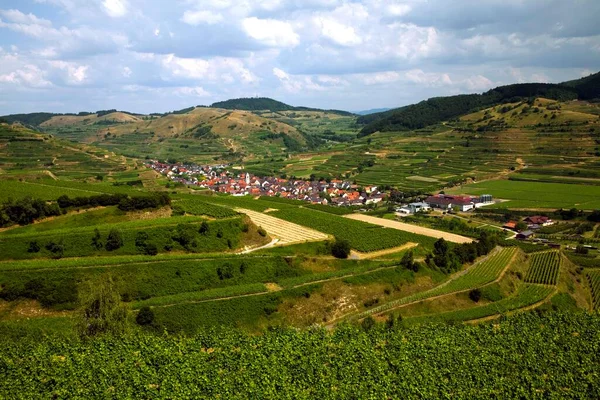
<point x="439" y="109"/>
<point x="265" y="103"/>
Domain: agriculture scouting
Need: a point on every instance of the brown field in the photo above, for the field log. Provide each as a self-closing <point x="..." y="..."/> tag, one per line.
<point x="451" y="237"/>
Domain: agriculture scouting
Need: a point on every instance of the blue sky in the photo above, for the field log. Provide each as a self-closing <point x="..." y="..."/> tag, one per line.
<point x="155" y="56"/>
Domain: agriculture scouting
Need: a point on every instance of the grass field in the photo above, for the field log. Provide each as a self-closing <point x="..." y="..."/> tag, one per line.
<point x="536" y="194"/>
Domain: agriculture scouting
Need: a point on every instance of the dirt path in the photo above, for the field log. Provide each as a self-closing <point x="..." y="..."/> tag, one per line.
<point x="356" y="255"/>
<point x="266" y="246"/>
<point x="451" y="237"/>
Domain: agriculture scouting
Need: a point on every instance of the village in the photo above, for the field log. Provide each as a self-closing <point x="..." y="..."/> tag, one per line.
<point x="219" y="178"/>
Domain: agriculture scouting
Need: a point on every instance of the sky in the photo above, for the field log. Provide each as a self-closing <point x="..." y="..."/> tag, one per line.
<point x="161" y="55"/>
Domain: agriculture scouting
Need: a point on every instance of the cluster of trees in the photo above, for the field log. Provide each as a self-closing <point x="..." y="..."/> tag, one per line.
<point x="26" y="210"/>
<point x="58" y="293"/>
<point x="340" y="248"/>
<point x="449" y="258"/>
<point x="265" y="103"/>
<point x="435" y="110"/>
<point x="155" y="200"/>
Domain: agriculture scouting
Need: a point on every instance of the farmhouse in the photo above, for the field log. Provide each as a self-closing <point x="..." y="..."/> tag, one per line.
<point x="512" y="225"/>
<point x="525" y="235"/>
<point x="538" y="220"/>
<point x="413" y="208"/>
<point x="446" y="202"/>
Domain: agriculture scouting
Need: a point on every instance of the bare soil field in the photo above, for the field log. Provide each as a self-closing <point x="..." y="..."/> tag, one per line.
<point x="451" y="237"/>
<point x="287" y="232"/>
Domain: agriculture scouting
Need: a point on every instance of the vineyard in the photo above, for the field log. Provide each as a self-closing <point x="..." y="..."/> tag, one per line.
<point x="362" y="236"/>
<point x="544" y="268"/>
<point x="527" y="295"/>
<point x="197" y="207"/>
<point x="478" y="275"/>
<point x="525" y="356"/>
<point x="594" y="281"/>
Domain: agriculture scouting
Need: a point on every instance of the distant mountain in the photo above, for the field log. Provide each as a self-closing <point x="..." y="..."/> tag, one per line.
<point x="372" y="111"/>
<point x="267" y="104"/>
<point x="440" y="109"/>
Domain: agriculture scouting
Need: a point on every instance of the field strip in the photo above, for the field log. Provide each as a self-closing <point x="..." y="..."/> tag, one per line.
<point x="522" y="309"/>
<point x="286" y="232"/>
<point x="434" y="293"/>
<point x="419" y="230"/>
<point x="357" y="255"/>
<point x="272" y="289"/>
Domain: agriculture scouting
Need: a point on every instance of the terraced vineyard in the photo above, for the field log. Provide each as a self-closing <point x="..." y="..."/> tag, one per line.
<point x="528" y="294"/>
<point x="478" y="275"/>
<point x="362" y="236"/>
<point x="594" y="281"/>
<point x="544" y="268"/>
<point x="197" y="207"/>
<point x="286" y="232"/>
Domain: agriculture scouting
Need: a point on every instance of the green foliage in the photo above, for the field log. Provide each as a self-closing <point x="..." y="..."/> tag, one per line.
<point x="475" y="295"/>
<point x="544" y="268"/>
<point x="197" y="207"/>
<point x="145" y="316"/>
<point x="285" y="363"/>
<point x="114" y="240"/>
<point x="340" y="248"/>
<point x="361" y="235"/>
<point x="264" y="103"/>
<point x="438" y="109"/>
<point x="527" y="295"/>
<point x="476" y="276"/>
<point x="594" y="282"/>
<point x="102" y="310"/>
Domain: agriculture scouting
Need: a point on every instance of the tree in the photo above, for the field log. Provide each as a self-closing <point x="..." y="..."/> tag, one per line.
<point x="368" y="323"/>
<point x="408" y="261"/>
<point x="145" y="316"/>
<point x="102" y="310"/>
<point x="34" y="247"/>
<point x="340" y="248"/>
<point x="204" y="228"/>
<point x="521" y="226"/>
<point x="96" y="240"/>
<point x="114" y="240"/>
<point x="475" y="295"/>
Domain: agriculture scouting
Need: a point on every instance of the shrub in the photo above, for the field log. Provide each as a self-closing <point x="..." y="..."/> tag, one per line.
<point x="145" y="316"/>
<point x="340" y="248"/>
<point x="34" y="247"/>
<point x="262" y="232"/>
<point x="114" y="240"/>
<point x="475" y="295"/>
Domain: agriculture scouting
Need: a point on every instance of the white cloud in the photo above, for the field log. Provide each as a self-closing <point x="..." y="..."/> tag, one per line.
<point x="127" y="72"/>
<point x="216" y="69"/>
<point x="196" y="91"/>
<point x="28" y="76"/>
<point x="339" y="33"/>
<point x="201" y="17"/>
<point x="115" y="8"/>
<point x="76" y="74"/>
<point x="429" y="79"/>
<point x="271" y="32"/>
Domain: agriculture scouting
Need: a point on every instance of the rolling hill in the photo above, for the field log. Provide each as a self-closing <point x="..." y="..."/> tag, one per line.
<point x="267" y="104"/>
<point x="438" y="109"/>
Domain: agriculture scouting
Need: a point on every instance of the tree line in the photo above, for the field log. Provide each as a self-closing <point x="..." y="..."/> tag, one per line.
<point x="26" y="210"/>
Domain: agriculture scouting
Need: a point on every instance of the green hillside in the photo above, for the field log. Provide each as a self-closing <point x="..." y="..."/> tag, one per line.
<point x="267" y="104"/>
<point x="439" y="109"/>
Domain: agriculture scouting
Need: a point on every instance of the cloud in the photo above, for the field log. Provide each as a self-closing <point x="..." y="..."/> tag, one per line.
<point x="339" y="33"/>
<point x="228" y="70"/>
<point x="75" y="74"/>
<point x="201" y="17"/>
<point x="115" y="8"/>
<point x="28" y="76"/>
<point x="271" y="32"/>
